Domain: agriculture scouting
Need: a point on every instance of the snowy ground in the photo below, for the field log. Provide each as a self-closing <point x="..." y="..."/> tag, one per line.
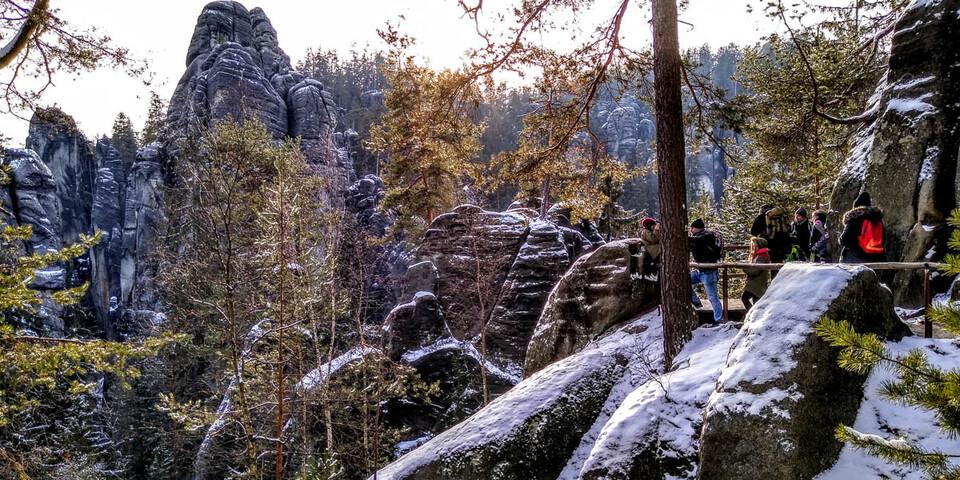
<point x="880" y="416"/>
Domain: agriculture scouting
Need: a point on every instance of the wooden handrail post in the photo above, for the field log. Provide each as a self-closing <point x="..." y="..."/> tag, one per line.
<point x="726" y="285"/>
<point x="927" y="323"/>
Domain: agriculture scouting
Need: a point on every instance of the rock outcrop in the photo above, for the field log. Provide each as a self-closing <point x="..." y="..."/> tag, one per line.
<point x="493" y="271"/>
<point x="236" y="69"/>
<point x="907" y="157"/>
<point x="63" y="186"/>
<point x="782" y="394"/>
<point x="601" y="290"/>
<point x="533" y="429"/>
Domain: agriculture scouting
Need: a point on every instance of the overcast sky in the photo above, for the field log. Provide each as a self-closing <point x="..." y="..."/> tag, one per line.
<point x="160" y="32"/>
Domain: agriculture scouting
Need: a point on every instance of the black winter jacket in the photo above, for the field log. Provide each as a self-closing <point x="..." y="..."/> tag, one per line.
<point x="850" y="238"/>
<point x="702" y="247"/>
<point x="801" y="233"/>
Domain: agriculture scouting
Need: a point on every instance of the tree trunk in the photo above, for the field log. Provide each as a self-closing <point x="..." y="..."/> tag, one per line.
<point x="678" y="319"/>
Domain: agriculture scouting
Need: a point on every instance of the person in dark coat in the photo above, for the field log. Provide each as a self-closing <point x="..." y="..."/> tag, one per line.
<point x="777" y="235"/>
<point x="820" y="237"/>
<point x="862" y="239"/>
<point x="801" y="231"/>
<point x="759" y="227"/>
<point x="705" y="248"/>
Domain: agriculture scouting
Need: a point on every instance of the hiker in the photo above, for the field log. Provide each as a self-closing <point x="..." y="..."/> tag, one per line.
<point x="757" y="279"/>
<point x="862" y="237"/>
<point x="650" y="257"/>
<point x="759" y="226"/>
<point x="800" y="232"/>
<point x="706" y="247"/>
<point x="820" y="238"/>
<point x="777" y="234"/>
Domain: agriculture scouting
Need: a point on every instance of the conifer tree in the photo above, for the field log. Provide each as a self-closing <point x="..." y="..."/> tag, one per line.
<point x="431" y="138"/>
<point x="124" y="139"/>
<point x="156" y="117"/>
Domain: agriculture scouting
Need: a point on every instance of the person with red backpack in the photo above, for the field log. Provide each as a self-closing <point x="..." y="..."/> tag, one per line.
<point x="862" y="239"/>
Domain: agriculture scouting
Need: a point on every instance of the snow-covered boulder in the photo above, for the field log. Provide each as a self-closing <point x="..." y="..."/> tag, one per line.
<point x="601" y="289"/>
<point x="534" y="429"/>
<point x="414" y="324"/>
<point x="655" y="430"/>
<point x="781" y="393"/>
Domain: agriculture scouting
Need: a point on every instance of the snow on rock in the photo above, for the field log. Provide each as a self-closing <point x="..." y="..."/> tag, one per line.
<point x="881" y="417"/>
<point x="654" y="432"/>
<point x="531" y="431"/>
<point x="781" y="394"/>
<point x="318" y="376"/>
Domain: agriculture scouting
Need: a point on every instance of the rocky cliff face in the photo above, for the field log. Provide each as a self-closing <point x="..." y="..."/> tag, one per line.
<point x="236" y="69"/>
<point x="907" y="157"/>
<point x="62" y="186"/>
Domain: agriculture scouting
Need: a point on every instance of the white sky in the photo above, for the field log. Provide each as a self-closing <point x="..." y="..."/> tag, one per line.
<point x="160" y="32"/>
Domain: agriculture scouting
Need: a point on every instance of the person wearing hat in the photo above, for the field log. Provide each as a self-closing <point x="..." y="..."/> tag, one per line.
<point x="706" y="247"/>
<point x="650" y="239"/>
<point x="862" y="239"/>
<point x="801" y="231"/>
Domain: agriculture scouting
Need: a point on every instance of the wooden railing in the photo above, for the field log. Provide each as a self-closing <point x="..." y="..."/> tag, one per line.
<point x="926" y="267"/>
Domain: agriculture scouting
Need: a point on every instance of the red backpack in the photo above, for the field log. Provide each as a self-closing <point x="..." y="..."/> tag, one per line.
<point x="871" y="237"/>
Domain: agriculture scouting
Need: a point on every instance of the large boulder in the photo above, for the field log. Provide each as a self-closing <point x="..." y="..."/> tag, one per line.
<point x="414" y="325"/>
<point x="472" y="250"/>
<point x="601" y="290"/>
<point x="781" y="393"/>
<point x="541" y="261"/>
<point x="907" y="157"/>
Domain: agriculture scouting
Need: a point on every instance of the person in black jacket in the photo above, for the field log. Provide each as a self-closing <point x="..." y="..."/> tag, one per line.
<point x="759" y="227"/>
<point x="801" y="232"/>
<point x="862" y="239"/>
<point x="705" y="248"/>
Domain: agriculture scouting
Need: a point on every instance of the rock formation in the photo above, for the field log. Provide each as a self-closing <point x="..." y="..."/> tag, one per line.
<point x="782" y="393"/>
<point x="601" y="290"/>
<point x="236" y="69"/>
<point x="759" y="402"/>
<point x="907" y="157"/>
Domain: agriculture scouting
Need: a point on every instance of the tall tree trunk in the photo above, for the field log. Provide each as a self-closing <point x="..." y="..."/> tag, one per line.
<point x="678" y="319"/>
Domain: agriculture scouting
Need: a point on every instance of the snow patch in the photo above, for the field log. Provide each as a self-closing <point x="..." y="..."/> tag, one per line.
<point x="665" y="412"/>
<point x="878" y="416"/>
<point x="497" y="422"/>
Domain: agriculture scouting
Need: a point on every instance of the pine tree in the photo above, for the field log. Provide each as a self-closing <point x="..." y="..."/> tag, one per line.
<point x="124" y="139"/>
<point x="916" y="382"/>
<point x="156" y="118"/>
<point x="431" y="138"/>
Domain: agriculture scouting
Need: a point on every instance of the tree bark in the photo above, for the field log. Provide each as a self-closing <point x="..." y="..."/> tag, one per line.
<point x="16" y="45"/>
<point x="676" y="308"/>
